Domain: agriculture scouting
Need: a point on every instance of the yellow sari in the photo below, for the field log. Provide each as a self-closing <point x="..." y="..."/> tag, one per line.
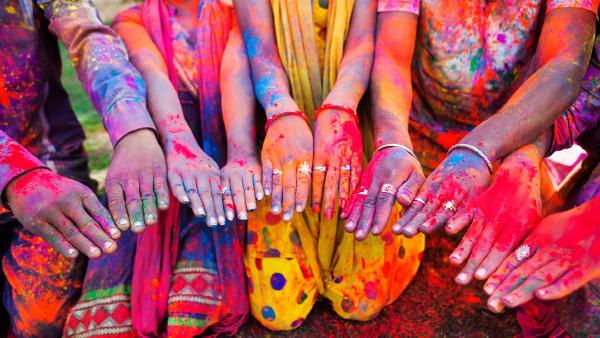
<point x="289" y="264"/>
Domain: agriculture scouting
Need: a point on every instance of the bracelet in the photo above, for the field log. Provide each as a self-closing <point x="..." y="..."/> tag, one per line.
<point x="341" y="107"/>
<point x="275" y="116"/>
<point x="396" y="145"/>
<point x="476" y="151"/>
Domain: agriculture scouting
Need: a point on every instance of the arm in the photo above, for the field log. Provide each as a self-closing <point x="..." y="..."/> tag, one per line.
<point x="557" y="71"/>
<point x="391" y="95"/>
<point x="192" y="175"/>
<point x="242" y="173"/>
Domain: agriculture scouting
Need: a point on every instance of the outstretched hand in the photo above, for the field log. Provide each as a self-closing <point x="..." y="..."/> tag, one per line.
<point x="242" y="181"/>
<point x="65" y="213"/>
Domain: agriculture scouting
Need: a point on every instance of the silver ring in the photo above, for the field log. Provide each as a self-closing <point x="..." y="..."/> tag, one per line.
<point x="388" y="189"/>
<point x="363" y="191"/>
<point x="346" y="167"/>
<point x="523" y="252"/>
<point x="420" y="200"/>
<point x="225" y="190"/>
<point x="320" y="168"/>
<point x="277" y="171"/>
<point x="304" y="169"/>
<point x="449" y="206"/>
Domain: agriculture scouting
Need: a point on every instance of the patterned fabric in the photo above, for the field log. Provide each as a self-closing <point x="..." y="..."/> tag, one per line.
<point x="34" y="108"/>
<point x="467" y="63"/>
<point x="411" y="6"/>
<point x="206" y="289"/>
<point x="289" y="264"/>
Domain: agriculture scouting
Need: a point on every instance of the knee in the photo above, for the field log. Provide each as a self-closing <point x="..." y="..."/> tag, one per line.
<point x="358" y="308"/>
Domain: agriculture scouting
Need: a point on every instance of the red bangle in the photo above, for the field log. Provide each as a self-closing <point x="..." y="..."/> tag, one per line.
<point x="275" y="116"/>
<point x="341" y="107"/>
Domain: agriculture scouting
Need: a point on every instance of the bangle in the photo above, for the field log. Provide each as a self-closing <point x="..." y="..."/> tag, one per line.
<point x="476" y="151"/>
<point x="396" y="145"/>
<point x="341" y="107"/>
<point x="275" y="116"/>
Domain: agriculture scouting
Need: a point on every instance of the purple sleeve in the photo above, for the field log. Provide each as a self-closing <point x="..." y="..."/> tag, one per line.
<point x="14" y="160"/>
<point x="115" y="87"/>
<point x="411" y="6"/>
<point x="584" y="113"/>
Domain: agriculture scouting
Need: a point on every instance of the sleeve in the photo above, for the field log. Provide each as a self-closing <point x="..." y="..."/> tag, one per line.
<point x="114" y="86"/>
<point x="584" y="113"/>
<point x="14" y="160"/>
<point x="411" y="6"/>
<point x="591" y="5"/>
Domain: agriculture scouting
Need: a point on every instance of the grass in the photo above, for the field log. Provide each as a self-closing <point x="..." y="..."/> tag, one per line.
<point x="97" y="143"/>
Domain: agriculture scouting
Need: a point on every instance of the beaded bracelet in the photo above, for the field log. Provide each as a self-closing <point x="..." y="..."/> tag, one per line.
<point x="275" y="116"/>
<point x="341" y="107"/>
<point x="395" y="145"/>
<point x="477" y="151"/>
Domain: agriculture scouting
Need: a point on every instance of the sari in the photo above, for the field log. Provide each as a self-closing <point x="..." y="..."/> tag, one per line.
<point x="289" y="264"/>
<point x="179" y="278"/>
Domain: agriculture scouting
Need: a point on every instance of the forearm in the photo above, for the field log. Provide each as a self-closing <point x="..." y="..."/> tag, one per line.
<point x="238" y="114"/>
<point x="271" y="83"/>
<point x="391" y="86"/>
<point x="553" y="86"/>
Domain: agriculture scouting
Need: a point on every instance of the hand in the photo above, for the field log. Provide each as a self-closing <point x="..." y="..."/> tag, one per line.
<point x="338" y="147"/>
<point x="591" y="188"/>
<point x="565" y="255"/>
<point x="194" y="178"/>
<point x="65" y="213"/>
<point x="499" y="219"/>
<point x="371" y="211"/>
<point x="242" y="178"/>
<point x="288" y="145"/>
<point x="136" y="181"/>
<point x="457" y="179"/>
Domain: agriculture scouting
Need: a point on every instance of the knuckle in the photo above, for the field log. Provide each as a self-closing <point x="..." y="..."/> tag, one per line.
<point x="148" y="196"/>
<point x="369" y="201"/>
<point x="383" y="199"/>
<point x="133" y="202"/>
<point x="70" y="231"/>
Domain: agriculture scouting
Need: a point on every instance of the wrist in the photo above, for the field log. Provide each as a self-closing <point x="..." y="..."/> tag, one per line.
<point x="392" y="137"/>
<point x="22" y="179"/>
<point x="459" y="155"/>
<point x="282" y="119"/>
<point x="141" y="135"/>
<point x="173" y="142"/>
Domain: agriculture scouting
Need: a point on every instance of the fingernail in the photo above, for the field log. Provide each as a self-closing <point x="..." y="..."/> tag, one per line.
<point x="113" y="231"/>
<point x="316" y="208"/>
<point x="243" y="216"/>
<point x="259" y="196"/>
<point x="123" y="222"/>
<point x="71" y="251"/>
<point x="287" y="216"/>
<point x="251" y="207"/>
<point x="108" y="245"/>
<point x="94" y="251"/>
<point x="349" y="225"/>
<point x="162" y="204"/>
<point x="455" y="257"/>
<point x="298" y="208"/>
<point x="508" y="299"/>
<point x="150" y="219"/>
<point x="184" y="198"/>
<point x="360" y="234"/>
<point x="221" y="220"/>
<point x="489" y="289"/>
<point x="201" y="211"/>
<point x="276" y="209"/>
<point x="212" y="221"/>
<point x="462" y="277"/>
<point x="230" y="215"/>
<point x="480" y="273"/>
<point x="267" y="192"/>
<point x="496" y="305"/>
<point x="396" y="228"/>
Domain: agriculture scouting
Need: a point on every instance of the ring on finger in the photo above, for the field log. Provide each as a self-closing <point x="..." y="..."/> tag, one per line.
<point x="523" y="252"/>
<point x="449" y="206"/>
<point x="363" y="190"/>
<point x="346" y="167"/>
<point x="388" y="189"/>
<point x="277" y="172"/>
<point x="304" y="169"/>
<point x="225" y="190"/>
<point x="320" y="168"/>
<point x="420" y="200"/>
<point x="191" y="191"/>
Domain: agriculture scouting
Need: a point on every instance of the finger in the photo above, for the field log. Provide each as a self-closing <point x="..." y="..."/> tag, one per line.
<point x="217" y="197"/>
<point x="356" y="164"/>
<point x="563" y="286"/>
<point x="463" y="250"/>
<point x="408" y="190"/>
<point x="227" y="198"/>
<point x="277" y="190"/>
<point x="134" y="206"/>
<point x="56" y="240"/>
<point x="258" y="186"/>
<point x="368" y="211"/>
<point x="439" y="218"/>
<point x="503" y="246"/>
<point x="302" y="186"/>
<point x="354" y="209"/>
<point x="383" y="208"/>
<point x="330" y="188"/>
<point x="149" y="201"/>
<point x="345" y="174"/>
<point x="101" y="215"/>
<point x="205" y="193"/>
<point x="318" y="177"/>
<point x="176" y="183"/>
<point x="413" y="226"/>
<point x="480" y="250"/>
<point x="408" y="214"/>
<point x="267" y="176"/>
<point x="249" y="193"/>
<point x="237" y="189"/>
<point x="116" y="205"/>
<point x="289" y="190"/>
<point x="538" y="279"/>
<point x="457" y="222"/>
<point x="161" y="190"/>
<point x="191" y="190"/>
<point x="72" y="234"/>
<point x="89" y="227"/>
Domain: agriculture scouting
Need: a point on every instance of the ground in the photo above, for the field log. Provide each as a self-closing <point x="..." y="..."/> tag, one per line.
<point x="433" y="305"/>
